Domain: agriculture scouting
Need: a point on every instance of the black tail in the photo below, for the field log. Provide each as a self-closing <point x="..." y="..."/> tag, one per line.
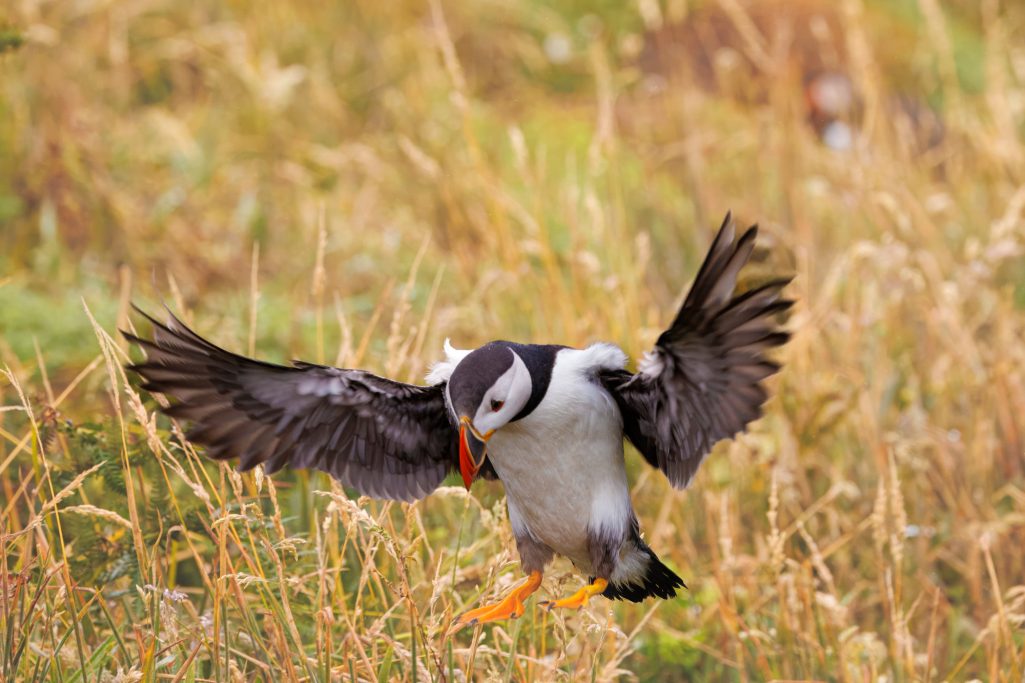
<point x="658" y="581"/>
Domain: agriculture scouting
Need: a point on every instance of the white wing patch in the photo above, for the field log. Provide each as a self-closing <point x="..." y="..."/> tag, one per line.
<point x="603" y="355"/>
<point x="442" y="370"/>
<point x="652" y="364"/>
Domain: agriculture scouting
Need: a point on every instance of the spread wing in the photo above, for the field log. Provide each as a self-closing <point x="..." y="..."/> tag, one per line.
<point x="702" y="381"/>
<point x="383" y="438"/>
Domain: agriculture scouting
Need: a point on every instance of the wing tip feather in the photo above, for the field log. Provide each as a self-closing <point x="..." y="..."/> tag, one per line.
<point x="690" y="399"/>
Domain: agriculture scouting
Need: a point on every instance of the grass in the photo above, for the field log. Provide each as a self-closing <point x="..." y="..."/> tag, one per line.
<point x="354" y="182"/>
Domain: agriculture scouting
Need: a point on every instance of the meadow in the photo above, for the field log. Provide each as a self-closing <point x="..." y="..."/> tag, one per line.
<point x="354" y="182"/>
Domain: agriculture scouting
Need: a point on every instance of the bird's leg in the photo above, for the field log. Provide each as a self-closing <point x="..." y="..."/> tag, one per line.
<point x="578" y="599"/>
<point x="511" y="606"/>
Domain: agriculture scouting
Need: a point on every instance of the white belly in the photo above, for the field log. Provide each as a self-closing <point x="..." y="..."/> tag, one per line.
<point x="562" y="465"/>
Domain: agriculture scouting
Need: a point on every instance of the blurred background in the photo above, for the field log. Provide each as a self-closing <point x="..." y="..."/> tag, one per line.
<point x="354" y="182"/>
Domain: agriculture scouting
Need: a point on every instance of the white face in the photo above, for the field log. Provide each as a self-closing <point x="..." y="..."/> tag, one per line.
<point x="505" y="398"/>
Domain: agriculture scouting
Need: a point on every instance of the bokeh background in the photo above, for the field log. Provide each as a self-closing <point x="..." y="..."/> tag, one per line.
<point x="353" y="182"/>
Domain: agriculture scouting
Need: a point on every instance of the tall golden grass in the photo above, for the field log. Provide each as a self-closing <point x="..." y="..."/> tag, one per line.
<point x="354" y="182"/>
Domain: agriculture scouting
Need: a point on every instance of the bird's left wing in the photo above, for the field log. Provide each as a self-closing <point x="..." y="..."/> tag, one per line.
<point x="384" y="438"/>
<point x="702" y="381"/>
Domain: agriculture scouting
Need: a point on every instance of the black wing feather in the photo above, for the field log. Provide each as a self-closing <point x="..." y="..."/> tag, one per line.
<point x="384" y="438"/>
<point x="702" y="381"/>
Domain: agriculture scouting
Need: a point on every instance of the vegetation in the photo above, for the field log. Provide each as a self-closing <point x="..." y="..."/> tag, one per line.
<point x="353" y="182"/>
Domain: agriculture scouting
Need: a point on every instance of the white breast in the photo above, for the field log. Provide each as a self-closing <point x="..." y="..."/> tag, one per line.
<point x="562" y="465"/>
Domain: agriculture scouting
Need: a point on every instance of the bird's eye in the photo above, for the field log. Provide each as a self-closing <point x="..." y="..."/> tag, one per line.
<point x="496" y="405"/>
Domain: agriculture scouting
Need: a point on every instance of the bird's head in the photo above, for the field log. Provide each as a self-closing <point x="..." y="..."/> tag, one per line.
<point x="491" y="387"/>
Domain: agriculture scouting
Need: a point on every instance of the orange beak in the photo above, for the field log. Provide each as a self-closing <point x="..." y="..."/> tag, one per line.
<point x="472" y="451"/>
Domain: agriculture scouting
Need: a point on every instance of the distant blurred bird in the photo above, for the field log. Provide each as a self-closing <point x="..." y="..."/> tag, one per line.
<point x="750" y="62"/>
<point x="547" y="420"/>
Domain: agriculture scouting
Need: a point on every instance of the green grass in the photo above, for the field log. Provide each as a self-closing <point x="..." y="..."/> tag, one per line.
<point x="354" y="182"/>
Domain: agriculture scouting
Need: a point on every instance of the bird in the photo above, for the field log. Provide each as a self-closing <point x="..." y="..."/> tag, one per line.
<point x="548" y="421"/>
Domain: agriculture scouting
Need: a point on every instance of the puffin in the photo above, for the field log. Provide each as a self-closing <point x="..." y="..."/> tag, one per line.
<point x="548" y="421"/>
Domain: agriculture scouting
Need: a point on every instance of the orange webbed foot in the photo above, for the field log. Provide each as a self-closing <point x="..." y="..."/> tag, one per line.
<point x="578" y="599"/>
<point x="510" y="607"/>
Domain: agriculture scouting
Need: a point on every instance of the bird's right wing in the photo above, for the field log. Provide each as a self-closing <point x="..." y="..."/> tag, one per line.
<point x="384" y="438"/>
<point x="702" y="381"/>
